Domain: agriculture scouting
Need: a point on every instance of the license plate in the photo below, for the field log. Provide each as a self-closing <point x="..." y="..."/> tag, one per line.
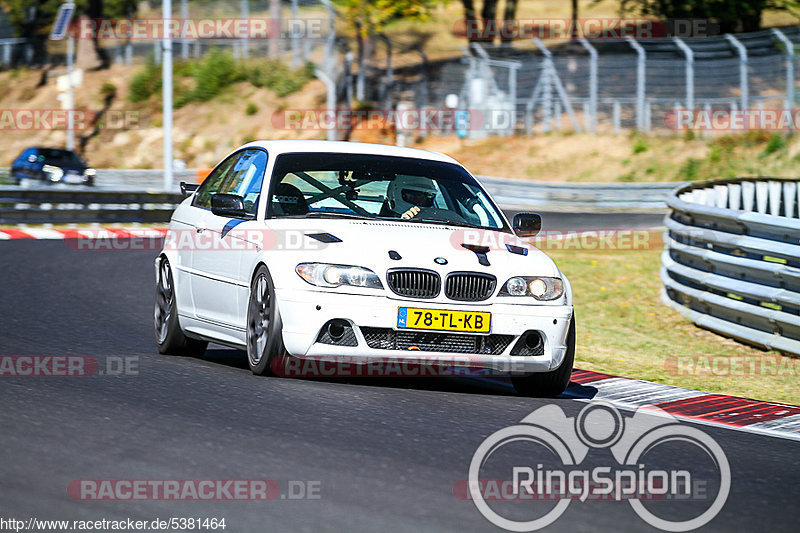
<point x="73" y="178"/>
<point x="468" y="321"/>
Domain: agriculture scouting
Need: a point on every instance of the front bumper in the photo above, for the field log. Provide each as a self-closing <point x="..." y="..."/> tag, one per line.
<point x="305" y="312"/>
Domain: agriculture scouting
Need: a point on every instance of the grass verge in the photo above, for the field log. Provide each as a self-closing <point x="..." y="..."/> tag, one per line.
<point x="624" y="329"/>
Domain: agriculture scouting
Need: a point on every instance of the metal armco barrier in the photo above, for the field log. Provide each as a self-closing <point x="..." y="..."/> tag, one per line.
<point x="84" y="204"/>
<point x="731" y="261"/>
<point x="601" y="196"/>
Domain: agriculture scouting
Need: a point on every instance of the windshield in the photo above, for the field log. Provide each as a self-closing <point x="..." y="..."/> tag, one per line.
<point x="379" y="187"/>
<point x="59" y="157"/>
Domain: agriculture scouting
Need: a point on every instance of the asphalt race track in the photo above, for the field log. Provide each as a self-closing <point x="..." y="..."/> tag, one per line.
<point x="386" y="453"/>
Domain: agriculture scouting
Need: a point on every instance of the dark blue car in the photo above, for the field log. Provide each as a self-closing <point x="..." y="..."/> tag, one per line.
<point x="37" y="165"/>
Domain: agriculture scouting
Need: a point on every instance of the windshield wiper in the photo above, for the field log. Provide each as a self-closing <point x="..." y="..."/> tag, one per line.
<point x="448" y="223"/>
<point x="330" y="214"/>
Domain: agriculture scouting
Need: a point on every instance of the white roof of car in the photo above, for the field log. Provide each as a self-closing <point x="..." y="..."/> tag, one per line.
<point x="344" y="147"/>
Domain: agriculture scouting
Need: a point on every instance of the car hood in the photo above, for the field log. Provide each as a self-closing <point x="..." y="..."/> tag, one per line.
<point x="418" y="245"/>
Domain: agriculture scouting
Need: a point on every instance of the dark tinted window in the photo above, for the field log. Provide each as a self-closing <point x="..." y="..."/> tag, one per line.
<point x="56" y="157"/>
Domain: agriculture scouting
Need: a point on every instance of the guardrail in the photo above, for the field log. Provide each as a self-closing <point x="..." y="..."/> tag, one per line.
<point x="731" y="261"/>
<point x="527" y="194"/>
<point x="84" y="204"/>
<point x="509" y="193"/>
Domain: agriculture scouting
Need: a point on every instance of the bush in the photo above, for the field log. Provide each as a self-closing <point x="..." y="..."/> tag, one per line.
<point x="216" y="71"/>
<point x="146" y="82"/>
<point x="108" y="90"/>
<point x="690" y="168"/>
<point x="250" y="109"/>
<point x="639" y="146"/>
<point x="776" y="142"/>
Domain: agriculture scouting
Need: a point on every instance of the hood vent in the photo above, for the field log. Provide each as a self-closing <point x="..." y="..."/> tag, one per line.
<point x="327" y="238"/>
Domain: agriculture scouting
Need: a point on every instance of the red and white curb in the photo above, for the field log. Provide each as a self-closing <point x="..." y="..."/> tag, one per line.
<point x="775" y="419"/>
<point x="754" y="416"/>
<point x="108" y="232"/>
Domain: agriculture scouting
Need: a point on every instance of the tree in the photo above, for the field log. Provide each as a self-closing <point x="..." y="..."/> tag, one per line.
<point x="368" y="18"/>
<point x="33" y="19"/>
<point x="731" y="15"/>
<point x="489" y="28"/>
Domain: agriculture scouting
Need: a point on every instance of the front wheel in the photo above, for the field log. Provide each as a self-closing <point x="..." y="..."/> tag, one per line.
<point x="169" y="336"/>
<point x="553" y="383"/>
<point x="265" y="351"/>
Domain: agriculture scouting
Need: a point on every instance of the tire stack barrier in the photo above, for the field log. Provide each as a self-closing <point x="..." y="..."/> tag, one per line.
<point x="731" y="261"/>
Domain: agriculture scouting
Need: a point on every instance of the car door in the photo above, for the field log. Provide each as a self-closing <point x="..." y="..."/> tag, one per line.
<point x="184" y="235"/>
<point x="217" y="256"/>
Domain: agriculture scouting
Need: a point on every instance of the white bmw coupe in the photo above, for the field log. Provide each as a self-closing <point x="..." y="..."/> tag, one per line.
<point x="312" y="248"/>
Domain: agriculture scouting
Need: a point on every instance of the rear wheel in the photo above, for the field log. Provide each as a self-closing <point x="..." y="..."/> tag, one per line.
<point x="169" y="336"/>
<point x="553" y="383"/>
<point x="266" y="354"/>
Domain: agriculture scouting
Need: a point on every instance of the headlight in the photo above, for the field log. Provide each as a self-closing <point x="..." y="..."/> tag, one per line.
<point x="324" y="275"/>
<point x="90" y="172"/>
<point x="55" y="172"/>
<point x="541" y="288"/>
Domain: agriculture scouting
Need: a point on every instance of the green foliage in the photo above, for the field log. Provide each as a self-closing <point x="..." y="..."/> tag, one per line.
<point x="690" y="169"/>
<point x="214" y="73"/>
<point x="370" y="17"/>
<point x="108" y="90"/>
<point x="730" y="15"/>
<point x="146" y="82"/>
<point x="250" y="109"/>
<point x="639" y="146"/>
<point x="277" y="76"/>
<point x="18" y="12"/>
<point x="776" y="142"/>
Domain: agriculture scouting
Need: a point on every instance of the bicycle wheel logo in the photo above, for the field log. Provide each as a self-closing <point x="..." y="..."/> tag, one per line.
<point x="598" y="426"/>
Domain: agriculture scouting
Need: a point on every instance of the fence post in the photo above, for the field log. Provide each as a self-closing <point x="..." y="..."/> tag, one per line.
<point x="387" y="86"/>
<point x="744" y="97"/>
<point x="689" y="72"/>
<point x="592" y="121"/>
<point x="789" y="67"/>
<point x="184" y="41"/>
<point x="640" y="82"/>
<point x="294" y="37"/>
<point x="616" y="116"/>
<point x="330" y="103"/>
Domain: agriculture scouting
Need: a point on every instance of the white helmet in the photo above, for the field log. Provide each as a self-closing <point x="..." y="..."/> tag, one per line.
<point x="405" y="192"/>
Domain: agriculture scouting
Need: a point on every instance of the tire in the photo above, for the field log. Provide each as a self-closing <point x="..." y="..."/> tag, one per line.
<point x="266" y="353"/>
<point x="169" y="336"/>
<point x="553" y="383"/>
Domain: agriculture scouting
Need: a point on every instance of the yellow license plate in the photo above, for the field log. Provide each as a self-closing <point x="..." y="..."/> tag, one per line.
<point x="468" y="321"/>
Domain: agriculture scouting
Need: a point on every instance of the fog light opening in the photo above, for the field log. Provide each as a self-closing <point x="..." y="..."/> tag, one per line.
<point x="336" y="330"/>
<point x="533" y="341"/>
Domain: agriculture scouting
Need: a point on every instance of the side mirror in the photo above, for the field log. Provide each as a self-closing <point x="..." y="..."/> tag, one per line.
<point x="229" y="205"/>
<point x="527" y="224"/>
<point x="187" y="189"/>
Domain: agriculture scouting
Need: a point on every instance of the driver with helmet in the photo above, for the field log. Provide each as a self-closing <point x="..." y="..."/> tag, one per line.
<point x="407" y="195"/>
